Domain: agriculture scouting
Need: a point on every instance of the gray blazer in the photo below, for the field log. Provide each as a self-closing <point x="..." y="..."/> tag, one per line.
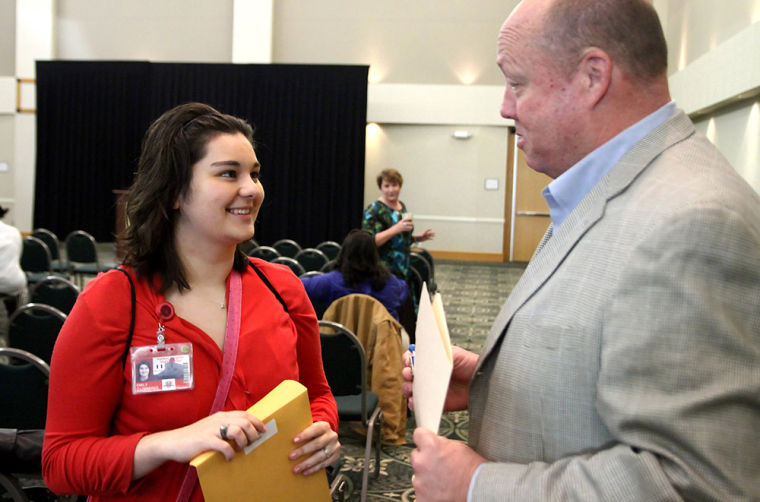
<point x="625" y="365"/>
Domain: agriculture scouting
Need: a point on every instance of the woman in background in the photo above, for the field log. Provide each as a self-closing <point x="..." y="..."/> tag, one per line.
<point x="388" y="220"/>
<point x="239" y="327"/>
<point x="358" y="269"/>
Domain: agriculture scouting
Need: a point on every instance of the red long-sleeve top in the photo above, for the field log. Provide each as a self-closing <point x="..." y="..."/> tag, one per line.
<point x="94" y="421"/>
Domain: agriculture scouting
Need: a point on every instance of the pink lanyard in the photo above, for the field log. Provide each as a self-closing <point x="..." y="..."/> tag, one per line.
<point x="228" y="365"/>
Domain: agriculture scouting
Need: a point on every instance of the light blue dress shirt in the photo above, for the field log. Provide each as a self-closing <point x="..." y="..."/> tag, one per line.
<point x="568" y="189"/>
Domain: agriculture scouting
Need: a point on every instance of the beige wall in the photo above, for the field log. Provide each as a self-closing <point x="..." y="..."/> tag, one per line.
<point x="163" y="30"/>
<point x="695" y="27"/>
<point x="7" y="37"/>
<point x="702" y="36"/>
<point x="423" y="41"/>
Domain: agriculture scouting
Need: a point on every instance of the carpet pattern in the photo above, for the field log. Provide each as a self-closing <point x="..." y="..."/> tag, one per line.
<point x="472" y="294"/>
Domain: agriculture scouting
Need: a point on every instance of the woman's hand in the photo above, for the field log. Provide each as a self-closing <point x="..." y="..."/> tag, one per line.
<point x="425" y="236"/>
<point x="183" y="444"/>
<point x="405" y="224"/>
<point x="319" y="443"/>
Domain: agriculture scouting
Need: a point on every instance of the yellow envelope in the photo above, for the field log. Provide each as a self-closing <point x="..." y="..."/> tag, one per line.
<point x="262" y="472"/>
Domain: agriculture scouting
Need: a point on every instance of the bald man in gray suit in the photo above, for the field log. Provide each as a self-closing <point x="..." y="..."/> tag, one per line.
<point x="625" y="365"/>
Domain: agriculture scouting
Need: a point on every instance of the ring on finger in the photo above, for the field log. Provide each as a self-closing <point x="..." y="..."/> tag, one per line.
<point x="324" y="450"/>
<point x="223" y="431"/>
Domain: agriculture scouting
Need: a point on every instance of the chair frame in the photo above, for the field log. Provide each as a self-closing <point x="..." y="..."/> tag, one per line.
<point x="72" y="264"/>
<point x="427" y="276"/>
<point x="34" y="306"/>
<point x="54" y="245"/>
<point x="287" y="243"/>
<point x="291" y="263"/>
<point x="265" y="249"/>
<point x="312" y="252"/>
<point x="10" y="483"/>
<point x="375" y="421"/>
<point x="413" y="272"/>
<point x="331" y="245"/>
<point x="52" y="279"/>
<point x="46" y="250"/>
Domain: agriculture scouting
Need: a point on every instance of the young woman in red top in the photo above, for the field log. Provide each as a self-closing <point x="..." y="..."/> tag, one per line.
<point x="113" y="436"/>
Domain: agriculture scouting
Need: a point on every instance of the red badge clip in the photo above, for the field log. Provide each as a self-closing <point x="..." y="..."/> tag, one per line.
<point x="165" y="312"/>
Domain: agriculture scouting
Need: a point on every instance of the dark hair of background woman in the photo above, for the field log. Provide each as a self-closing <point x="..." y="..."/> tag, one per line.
<point x="171" y="146"/>
<point x="358" y="260"/>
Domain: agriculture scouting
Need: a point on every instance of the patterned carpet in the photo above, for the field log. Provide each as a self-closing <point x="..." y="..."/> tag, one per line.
<point x="472" y="295"/>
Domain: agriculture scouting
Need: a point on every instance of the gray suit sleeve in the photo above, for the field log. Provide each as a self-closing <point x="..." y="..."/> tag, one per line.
<point x="679" y="380"/>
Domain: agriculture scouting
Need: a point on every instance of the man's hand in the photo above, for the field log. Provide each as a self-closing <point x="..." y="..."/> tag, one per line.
<point x="442" y="468"/>
<point x="459" y="385"/>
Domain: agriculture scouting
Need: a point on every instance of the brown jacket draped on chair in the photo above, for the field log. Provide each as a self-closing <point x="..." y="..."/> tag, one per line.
<point x="380" y="335"/>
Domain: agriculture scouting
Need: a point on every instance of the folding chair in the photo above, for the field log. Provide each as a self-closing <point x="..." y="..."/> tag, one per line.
<point x="287" y="247"/>
<point x="35" y="259"/>
<point x="53" y="244"/>
<point x="23" y="382"/>
<point x="329" y="248"/>
<point x="345" y="365"/>
<point x="82" y="256"/>
<point x="266" y="253"/>
<point x="312" y="259"/>
<point x="34" y="328"/>
<point x="290" y="262"/>
<point x="55" y="291"/>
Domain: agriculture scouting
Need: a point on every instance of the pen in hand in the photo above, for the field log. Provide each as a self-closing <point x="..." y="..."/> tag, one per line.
<point x="411" y="351"/>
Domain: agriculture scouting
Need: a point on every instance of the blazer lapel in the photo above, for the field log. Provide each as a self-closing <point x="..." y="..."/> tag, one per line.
<point x="557" y="243"/>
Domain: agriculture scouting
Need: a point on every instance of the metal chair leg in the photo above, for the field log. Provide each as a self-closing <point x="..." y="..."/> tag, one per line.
<point x="367" y="449"/>
<point x="13" y="488"/>
<point x="378" y="441"/>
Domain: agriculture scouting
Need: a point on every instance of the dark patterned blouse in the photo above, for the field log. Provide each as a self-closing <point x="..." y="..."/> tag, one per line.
<point x="395" y="252"/>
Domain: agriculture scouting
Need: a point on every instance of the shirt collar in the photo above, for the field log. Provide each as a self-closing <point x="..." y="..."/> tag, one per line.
<point x="568" y="189"/>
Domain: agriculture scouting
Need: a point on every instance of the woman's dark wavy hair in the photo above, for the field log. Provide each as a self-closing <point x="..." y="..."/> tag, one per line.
<point x="358" y="260"/>
<point x="171" y="146"/>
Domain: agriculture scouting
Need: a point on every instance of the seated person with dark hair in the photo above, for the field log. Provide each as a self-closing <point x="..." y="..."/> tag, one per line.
<point x="358" y="269"/>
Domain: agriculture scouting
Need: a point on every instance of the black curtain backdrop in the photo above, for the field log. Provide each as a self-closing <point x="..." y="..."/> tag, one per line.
<point x="309" y="128"/>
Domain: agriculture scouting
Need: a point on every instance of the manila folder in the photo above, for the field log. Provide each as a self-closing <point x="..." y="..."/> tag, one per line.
<point x="432" y="362"/>
<point x="262" y="471"/>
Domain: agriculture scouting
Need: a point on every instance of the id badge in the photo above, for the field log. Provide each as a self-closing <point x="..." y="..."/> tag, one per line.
<point x="162" y="368"/>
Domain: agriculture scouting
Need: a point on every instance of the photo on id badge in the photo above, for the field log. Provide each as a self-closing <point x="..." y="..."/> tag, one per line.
<point x="161" y="369"/>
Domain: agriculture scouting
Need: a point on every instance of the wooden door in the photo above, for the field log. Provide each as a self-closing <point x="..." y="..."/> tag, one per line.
<point x="526" y="214"/>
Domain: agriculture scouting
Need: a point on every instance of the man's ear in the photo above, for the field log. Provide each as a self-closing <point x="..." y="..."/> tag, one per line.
<point x="595" y="72"/>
